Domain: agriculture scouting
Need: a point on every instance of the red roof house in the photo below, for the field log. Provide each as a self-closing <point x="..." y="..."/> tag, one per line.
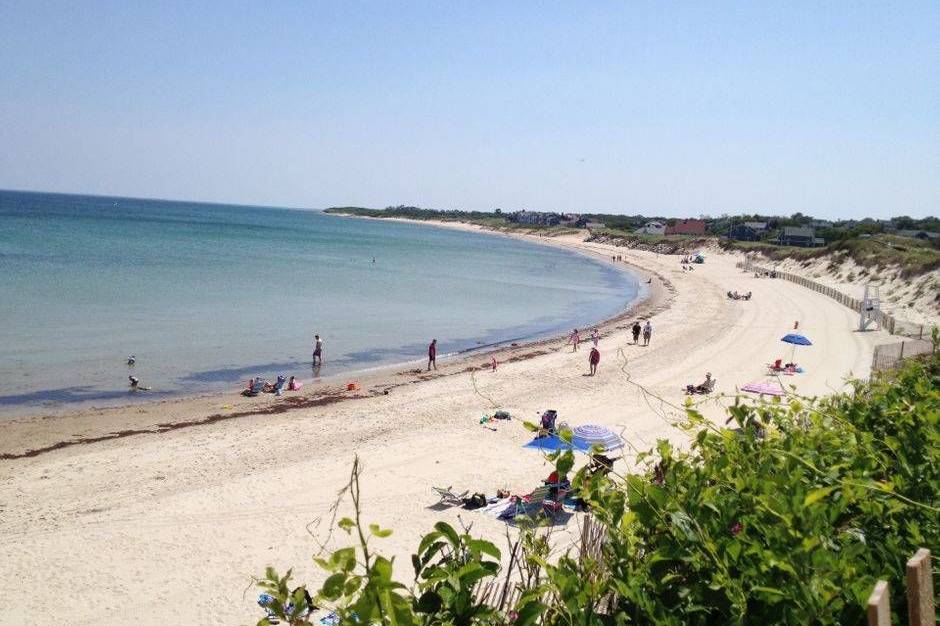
<point x="686" y="227"/>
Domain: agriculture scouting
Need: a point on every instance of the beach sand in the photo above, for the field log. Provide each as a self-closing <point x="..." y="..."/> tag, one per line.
<point x="168" y="527"/>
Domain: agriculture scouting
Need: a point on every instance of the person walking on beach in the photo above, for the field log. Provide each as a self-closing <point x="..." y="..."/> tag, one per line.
<point x="575" y="339"/>
<point x="432" y="354"/>
<point x="594" y="359"/>
<point x="318" y="350"/>
<point x="636" y="331"/>
<point x="595" y="337"/>
<point x="647" y="333"/>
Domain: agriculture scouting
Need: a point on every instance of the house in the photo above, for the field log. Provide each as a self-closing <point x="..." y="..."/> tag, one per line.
<point x="926" y="235"/>
<point x="687" y="227"/>
<point x="536" y="218"/>
<point x="652" y="228"/>
<point x="594" y="225"/>
<point x="798" y="236"/>
<point x="748" y="231"/>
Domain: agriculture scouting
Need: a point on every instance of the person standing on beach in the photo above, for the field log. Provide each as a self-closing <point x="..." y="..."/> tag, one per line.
<point x="595" y="337"/>
<point x="432" y="354"/>
<point x="594" y="359"/>
<point x="636" y="331"/>
<point x="647" y="333"/>
<point x="575" y="339"/>
<point x="318" y="350"/>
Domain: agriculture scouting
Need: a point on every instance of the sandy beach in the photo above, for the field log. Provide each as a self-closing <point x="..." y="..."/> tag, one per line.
<point x="166" y="521"/>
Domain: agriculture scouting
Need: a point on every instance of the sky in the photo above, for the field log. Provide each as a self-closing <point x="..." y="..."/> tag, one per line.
<point x="674" y="109"/>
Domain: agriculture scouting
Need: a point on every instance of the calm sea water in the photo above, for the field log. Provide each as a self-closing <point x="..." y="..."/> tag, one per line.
<point x="206" y="296"/>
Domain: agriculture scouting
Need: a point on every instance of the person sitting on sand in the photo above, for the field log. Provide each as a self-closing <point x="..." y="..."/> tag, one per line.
<point x="293" y="384"/>
<point x="705" y="387"/>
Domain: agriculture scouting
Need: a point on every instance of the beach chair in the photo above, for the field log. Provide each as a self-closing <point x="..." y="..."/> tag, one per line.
<point x="448" y="497"/>
<point x="547" y="423"/>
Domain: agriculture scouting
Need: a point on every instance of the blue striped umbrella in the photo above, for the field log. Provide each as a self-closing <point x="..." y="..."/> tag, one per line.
<point x="583" y="439"/>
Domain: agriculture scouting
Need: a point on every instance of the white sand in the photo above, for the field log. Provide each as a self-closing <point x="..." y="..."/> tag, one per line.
<point x="168" y="528"/>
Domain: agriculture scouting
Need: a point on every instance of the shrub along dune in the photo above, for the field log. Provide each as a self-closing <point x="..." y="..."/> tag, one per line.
<point x="788" y="516"/>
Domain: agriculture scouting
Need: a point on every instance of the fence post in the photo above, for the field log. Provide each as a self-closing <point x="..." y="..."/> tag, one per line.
<point x="879" y="606"/>
<point x="920" y="603"/>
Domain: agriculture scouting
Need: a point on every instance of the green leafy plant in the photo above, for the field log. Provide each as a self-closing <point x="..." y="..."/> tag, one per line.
<point x="789" y="516"/>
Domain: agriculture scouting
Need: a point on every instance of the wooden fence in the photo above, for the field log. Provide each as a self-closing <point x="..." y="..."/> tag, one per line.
<point x="889" y="355"/>
<point x="921" y="606"/>
<point x="884" y="320"/>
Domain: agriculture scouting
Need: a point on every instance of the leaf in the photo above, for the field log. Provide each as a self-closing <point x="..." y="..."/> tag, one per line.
<point x="530" y="426"/>
<point x="346" y="524"/>
<point x="448" y="531"/>
<point x="769" y="590"/>
<point x="332" y="587"/>
<point x="529" y="612"/>
<point x="429" y="602"/>
<point x="816" y="495"/>
<point x="379" y="532"/>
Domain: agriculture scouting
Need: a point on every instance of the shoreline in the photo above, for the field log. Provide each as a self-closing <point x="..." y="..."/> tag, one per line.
<point x="197" y="512"/>
<point x="33" y="434"/>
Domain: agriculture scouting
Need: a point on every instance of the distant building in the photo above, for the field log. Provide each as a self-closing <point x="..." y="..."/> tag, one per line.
<point x="687" y="227"/>
<point x="748" y="231"/>
<point x="594" y="225"/>
<point x="926" y="235"/>
<point x="798" y="236"/>
<point x="652" y="228"/>
<point x="536" y="218"/>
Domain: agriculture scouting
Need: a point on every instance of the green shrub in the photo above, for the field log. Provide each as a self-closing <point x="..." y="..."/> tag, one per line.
<point x="788" y="519"/>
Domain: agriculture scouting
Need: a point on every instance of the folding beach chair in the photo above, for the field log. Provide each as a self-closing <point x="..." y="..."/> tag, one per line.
<point x="450" y="498"/>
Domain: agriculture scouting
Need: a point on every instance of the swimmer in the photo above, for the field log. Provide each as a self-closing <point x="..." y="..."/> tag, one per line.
<point x="131" y="360"/>
<point x="135" y="384"/>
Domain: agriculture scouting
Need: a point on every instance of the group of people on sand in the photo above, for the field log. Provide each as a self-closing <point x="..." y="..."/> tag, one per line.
<point x="258" y="385"/>
<point x="734" y="295"/>
<point x="646" y="329"/>
<point x="616" y="257"/>
<point x="594" y="357"/>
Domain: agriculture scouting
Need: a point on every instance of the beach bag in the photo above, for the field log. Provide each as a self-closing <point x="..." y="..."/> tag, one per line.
<point x="476" y="501"/>
<point x="501" y="415"/>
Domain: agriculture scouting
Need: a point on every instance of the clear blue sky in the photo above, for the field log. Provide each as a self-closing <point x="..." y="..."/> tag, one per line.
<point x="677" y="109"/>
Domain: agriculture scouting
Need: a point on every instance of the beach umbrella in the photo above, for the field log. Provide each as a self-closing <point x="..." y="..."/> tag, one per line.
<point x="764" y="388"/>
<point x="795" y="339"/>
<point x="583" y="439"/>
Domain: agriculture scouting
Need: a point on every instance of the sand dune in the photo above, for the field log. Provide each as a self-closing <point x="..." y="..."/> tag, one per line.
<point x="168" y="528"/>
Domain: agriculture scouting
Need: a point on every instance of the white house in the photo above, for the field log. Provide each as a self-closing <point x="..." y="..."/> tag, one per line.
<point x="652" y="228"/>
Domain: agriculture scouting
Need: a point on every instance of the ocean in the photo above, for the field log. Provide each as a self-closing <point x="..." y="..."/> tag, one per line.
<point x="205" y="296"/>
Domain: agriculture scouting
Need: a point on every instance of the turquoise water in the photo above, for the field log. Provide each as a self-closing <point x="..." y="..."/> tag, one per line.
<point x="206" y="296"/>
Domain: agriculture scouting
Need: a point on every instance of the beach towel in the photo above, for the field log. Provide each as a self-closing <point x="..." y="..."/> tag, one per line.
<point x="495" y="509"/>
